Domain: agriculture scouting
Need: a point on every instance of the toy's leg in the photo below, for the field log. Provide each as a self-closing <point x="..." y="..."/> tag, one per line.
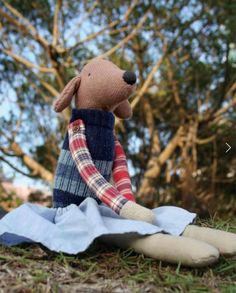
<point x="173" y="249"/>
<point x="224" y="241"/>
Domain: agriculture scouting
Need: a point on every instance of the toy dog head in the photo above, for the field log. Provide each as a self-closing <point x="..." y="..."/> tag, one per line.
<point x="101" y="85"/>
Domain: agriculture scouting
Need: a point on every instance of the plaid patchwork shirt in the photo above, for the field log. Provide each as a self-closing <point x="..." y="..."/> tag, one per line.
<point x="113" y="197"/>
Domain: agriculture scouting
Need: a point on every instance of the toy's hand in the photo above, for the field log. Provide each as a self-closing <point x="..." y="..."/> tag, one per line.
<point x="134" y="211"/>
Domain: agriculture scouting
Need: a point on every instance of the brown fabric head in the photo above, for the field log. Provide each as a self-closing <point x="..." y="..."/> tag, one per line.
<point x="101" y="85"/>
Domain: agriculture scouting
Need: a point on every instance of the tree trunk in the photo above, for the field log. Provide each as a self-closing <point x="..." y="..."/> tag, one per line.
<point x="154" y="168"/>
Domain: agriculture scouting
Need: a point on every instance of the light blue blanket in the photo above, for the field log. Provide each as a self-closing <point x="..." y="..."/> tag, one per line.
<point x="73" y="229"/>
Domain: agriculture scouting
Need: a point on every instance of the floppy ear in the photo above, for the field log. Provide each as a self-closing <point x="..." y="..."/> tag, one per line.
<point x="123" y="110"/>
<point x="67" y="94"/>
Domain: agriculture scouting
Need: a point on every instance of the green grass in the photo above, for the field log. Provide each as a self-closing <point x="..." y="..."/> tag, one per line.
<point x="32" y="268"/>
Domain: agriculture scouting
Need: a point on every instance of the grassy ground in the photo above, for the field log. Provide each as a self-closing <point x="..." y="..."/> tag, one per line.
<point x="32" y="268"/>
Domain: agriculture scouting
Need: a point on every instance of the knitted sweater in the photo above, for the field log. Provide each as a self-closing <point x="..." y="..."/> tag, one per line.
<point x="99" y="153"/>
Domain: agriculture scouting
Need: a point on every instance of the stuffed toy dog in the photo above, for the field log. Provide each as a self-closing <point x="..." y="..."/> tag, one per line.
<point x="91" y="155"/>
<point x="87" y="207"/>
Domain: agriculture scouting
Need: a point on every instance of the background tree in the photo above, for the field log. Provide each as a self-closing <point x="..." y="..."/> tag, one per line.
<point x="184" y="106"/>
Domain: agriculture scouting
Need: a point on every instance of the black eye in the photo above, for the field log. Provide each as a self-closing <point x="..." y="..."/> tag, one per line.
<point x="89" y="74"/>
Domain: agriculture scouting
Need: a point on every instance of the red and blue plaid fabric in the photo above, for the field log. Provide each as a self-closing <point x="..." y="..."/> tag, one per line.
<point x="120" y="172"/>
<point x="88" y="171"/>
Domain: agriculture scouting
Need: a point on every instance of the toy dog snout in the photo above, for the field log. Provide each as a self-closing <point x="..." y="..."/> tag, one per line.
<point x="129" y="77"/>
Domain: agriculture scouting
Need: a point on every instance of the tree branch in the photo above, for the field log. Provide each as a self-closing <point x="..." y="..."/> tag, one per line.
<point x="205" y="140"/>
<point x="155" y="163"/>
<point x="153" y="132"/>
<point x="148" y="80"/>
<point x="28" y="63"/>
<point x="175" y="89"/>
<point x="109" y="26"/>
<point x="6" y="152"/>
<point x="88" y="13"/>
<point x="85" y="16"/>
<point x="31" y="65"/>
<point x="55" y="23"/>
<point x="127" y="38"/>
<point x="37" y="169"/>
<point x="28" y="28"/>
<point x="146" y="84"/>
<point x="15" y="168"/>
<point x="50" y="88"/>
<point x="232" y="103"/>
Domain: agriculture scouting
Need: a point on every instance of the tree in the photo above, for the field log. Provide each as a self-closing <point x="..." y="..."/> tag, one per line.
<point x="183" y="107"/>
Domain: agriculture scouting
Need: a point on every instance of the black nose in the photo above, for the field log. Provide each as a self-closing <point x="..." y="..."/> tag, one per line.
<point x="129" y="77"/>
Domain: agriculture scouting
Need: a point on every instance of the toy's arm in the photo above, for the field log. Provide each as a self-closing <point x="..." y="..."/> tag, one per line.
<point x="96" y="182"/>
<point x="120" y="172"/>
<point x="88" y="171"/>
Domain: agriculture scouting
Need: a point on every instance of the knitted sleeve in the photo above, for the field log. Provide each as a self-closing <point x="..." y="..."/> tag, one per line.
<point x="120" y="172"/>
<point x="88" y="171"/>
